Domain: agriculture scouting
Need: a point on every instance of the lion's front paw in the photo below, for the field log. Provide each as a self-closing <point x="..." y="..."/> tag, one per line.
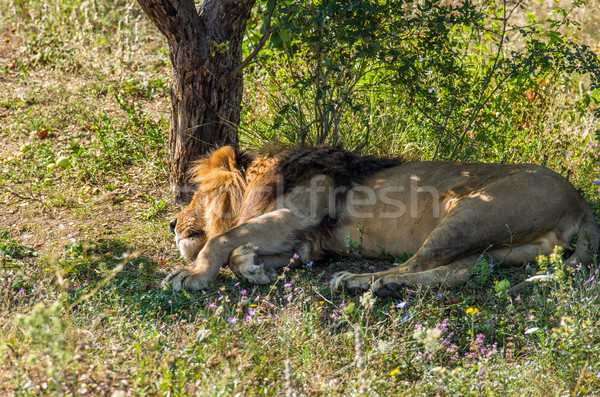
<point x="183" y="279"/>
<point x="244" y="263"/>
<point x="350" y="282"/>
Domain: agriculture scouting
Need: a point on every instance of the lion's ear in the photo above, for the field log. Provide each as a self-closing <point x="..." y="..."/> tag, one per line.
<point x="207" y="167"/>
<point x="223" y="158"/>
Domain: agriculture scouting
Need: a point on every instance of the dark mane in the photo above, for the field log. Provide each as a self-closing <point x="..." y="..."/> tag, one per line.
<point x="298" y="165"/>
<point x="343" y="166"/>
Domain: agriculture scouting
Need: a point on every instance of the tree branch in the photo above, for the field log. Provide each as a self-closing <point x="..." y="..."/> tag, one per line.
<point x="259" y="45"/>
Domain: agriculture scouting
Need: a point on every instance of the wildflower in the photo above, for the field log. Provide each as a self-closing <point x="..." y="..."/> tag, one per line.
<point x="287" y="285"/>
<point x="589" y="280"/>
<point x="243" y="292"/>
<point x="429" y="72"/>
<point x="367" y="301"/>
<point x="598" y="375"/>
<point x="342" y="305"/>
<point x="479" y="338"/>
<point x="402" y="305"/>
<point x="231" y="320"/>
<point x="309" y="264"/>
<point x="404" y="318"/>
<point x="491" y="265"/>
<point x="439" y="295"/>
<point x="236" y="284"/>
<point x="472" y="311"/>
<point x="431" y="90"/>
<point x="170" y="302"/>
<point x="384" y="347"/>
<point x="212" y="305"/>
<point x="248" y="318"/>
<point x="596" y="182"/>
<point x="220" y="298"/>
<point x="443" y="326"/>
<point x="397" y="371"/>
<point x="429" y="337"/>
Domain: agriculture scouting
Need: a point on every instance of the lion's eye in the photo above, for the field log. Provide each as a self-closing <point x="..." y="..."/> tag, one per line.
<point x="172" y="225"/>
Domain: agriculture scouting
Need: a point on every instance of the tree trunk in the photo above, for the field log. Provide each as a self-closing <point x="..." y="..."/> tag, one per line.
<point x="205" y="48"/>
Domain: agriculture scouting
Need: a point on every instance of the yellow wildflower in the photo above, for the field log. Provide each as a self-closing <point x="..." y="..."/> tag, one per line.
<point x="394" y="372"/>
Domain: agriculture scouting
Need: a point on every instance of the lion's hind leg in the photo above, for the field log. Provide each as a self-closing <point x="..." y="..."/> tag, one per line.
<point x="392" y="282"/>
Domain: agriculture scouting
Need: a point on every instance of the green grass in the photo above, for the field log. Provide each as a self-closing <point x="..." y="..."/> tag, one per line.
<point x="83" y="249"/>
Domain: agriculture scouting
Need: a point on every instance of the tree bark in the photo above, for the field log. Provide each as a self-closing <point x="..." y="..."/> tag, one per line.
<point x="205" y="47"/>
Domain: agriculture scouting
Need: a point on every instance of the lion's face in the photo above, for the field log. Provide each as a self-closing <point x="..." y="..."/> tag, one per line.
<point x="189" y="228"/>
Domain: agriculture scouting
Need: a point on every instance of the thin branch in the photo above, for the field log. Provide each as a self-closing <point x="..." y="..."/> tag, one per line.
<point x="261" y="43"/>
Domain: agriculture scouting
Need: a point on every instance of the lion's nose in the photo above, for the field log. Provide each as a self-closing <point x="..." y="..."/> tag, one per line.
<point x="172" y="225"/>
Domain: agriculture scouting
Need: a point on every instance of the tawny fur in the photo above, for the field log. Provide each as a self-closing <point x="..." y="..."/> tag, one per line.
<point x="254" y="211"/>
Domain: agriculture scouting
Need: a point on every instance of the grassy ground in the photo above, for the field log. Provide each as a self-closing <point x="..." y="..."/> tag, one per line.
<point x="83" y="249"/>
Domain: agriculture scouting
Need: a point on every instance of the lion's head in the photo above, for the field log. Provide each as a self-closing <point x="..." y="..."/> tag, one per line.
<point x="216" y="203"/>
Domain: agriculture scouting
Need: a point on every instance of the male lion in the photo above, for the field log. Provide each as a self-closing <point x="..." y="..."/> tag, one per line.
<point x="255" y="211"/>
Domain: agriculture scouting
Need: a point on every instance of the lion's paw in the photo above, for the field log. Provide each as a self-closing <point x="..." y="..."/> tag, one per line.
<point x="244" y="263"/>
<point x="182" y="279"/>
<point x="346" y="281"/>
<point x="387" y="289"/>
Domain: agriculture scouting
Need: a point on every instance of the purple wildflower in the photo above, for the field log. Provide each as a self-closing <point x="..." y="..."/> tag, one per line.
<point x="479" y="338"/>
<point x="591" y="279"/>
<point x="212" y="305"/>
<point x="220" y="298"/>
<point x="491" y="265"/>
<point x="231" y="320"/>
<point x="309" y="264"/>
<point x="248" y="318"/>
<point x="598" y="375"/>
<point x="287" y="285"/>
<point x="402" y="305"/>
<point x="243" y="292"/>
<point x="342" y="305"/>
<point x="443" y="326"/>
<point x="236" y="284"/>
<point x="439" y="295"/>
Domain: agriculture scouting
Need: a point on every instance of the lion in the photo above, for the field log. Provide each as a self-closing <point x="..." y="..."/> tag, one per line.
<point x="255" y="211"/>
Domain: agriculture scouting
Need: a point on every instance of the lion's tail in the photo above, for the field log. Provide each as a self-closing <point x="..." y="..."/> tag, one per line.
<point x="587" y="241"/>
